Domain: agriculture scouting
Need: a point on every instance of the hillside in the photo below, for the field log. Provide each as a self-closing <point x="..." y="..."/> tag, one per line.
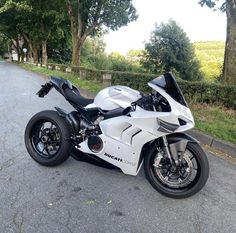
<point x="210" y="55"/>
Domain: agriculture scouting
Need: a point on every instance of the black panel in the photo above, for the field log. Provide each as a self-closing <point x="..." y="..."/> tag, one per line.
<point x="182" y="122"/>
<point x="168" y="83"/>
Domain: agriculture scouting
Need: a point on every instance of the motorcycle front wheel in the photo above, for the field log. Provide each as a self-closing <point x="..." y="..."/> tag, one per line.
<point x="47" y="138"/>
<point x="183" y="181"/>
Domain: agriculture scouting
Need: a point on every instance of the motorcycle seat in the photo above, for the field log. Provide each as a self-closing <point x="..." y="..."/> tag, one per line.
<point x="73" y="95"/>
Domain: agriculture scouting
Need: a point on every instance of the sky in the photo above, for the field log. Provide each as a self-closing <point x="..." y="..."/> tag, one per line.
<point x="200" y="23"/>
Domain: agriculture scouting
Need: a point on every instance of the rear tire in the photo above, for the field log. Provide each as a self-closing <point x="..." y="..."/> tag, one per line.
<point x="192" y="188"/>
<point x="56" y="138"/>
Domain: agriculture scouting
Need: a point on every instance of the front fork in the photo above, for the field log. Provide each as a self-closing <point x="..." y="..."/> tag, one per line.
<point x="171" y="153"/>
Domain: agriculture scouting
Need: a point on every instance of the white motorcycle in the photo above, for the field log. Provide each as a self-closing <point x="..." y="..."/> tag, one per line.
<point x="124" y="128"/>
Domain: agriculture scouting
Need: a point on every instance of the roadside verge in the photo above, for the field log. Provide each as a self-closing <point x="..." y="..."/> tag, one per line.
<point x="214" y="143"/>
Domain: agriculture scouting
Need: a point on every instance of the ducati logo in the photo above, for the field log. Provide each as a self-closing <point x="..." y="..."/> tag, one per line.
<point x="113" y="157"/>
<point x="119" y="159"/>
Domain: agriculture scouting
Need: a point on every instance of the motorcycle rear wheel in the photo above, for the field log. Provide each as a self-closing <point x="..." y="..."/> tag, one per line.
<point x="47" y="138"/>
<point x="166" y="184"/>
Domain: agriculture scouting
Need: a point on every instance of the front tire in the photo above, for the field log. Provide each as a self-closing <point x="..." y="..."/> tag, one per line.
<point x="47" y="138"/>
<point x="170" y="189"/>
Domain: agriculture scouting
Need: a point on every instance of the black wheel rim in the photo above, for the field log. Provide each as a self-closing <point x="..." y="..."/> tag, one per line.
<point x="45" y="138"/>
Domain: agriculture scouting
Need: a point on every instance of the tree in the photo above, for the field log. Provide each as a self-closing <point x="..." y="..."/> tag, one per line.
<point x="89" y="17"/>
<point x="169" y="49"/>
<point x="11" y="21"/>
<point x="229" y="7"/>
<point x="41" y="24"/>
<point x="32" y="23"/>
<point x="93" y="53"/>
<point x="49" y="17"/>
<point x="4" y="43"/>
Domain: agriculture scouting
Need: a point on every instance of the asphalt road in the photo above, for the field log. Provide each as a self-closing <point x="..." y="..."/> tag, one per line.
<point x="79" y="197"/>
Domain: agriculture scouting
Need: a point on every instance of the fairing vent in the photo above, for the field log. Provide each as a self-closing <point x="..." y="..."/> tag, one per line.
<point x="167" y="127"/>
<point x="129" y="133"/>
<point x="135" y="135"/>
<point x="182" y="122"/>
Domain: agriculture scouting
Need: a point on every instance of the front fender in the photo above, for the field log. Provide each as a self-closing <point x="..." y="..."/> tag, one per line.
<point x="176" y="137"/>
<point x="178" y="143"/>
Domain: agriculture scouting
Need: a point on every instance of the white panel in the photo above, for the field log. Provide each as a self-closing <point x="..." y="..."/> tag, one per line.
<point x="127" y="135"/>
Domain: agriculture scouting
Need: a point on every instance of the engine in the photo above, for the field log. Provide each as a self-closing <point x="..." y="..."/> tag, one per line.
<point x="83" y="129"/>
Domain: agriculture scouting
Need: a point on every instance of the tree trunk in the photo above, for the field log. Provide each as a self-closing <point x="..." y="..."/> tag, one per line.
<point x="44" y="53"/>
<point x="80" y="30"/>
<point x="35" y="55"/>
<point x="30" y="52"/>
<point x="18" y="57"/>
<point x="30" y="48"/>
<point x="18" y="50"/>
<point x="27" y="57"/>
<point x="229" y="69"/>
<point x="22" y="57"/>
<point x="76" y="50"/>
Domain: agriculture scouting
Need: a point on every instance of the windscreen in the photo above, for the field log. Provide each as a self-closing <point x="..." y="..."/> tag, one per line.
<point x="168" y="83"/>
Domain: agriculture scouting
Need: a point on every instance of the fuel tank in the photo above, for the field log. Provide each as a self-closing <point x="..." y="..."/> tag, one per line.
<point x="115" y="97"/>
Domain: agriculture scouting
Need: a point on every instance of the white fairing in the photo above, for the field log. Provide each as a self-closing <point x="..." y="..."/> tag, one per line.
<point x="124" y="137"/>
<point x="114" y="97"/>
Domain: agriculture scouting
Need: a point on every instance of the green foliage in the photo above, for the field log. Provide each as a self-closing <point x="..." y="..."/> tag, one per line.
<point x="211" y="57"/>
<point x="131" y="63"/>
<point x="3" y="44"/>
<point x="93" y="55"/>
<point x="201" y="92"/>
<point x="170" y="49"/>
<point x="112" y="14"/>
<point x="10" y="4"/>
<point x="89" y="17"/>
<point x="29" y="23"/>
<point x="119" y="62"/>
<point x="60" y="49"/>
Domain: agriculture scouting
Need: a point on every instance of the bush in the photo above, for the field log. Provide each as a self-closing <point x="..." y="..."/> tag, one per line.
<point x="194" y="92"/>
<point x="134" y="80"/>
<point x="200" y="92"/>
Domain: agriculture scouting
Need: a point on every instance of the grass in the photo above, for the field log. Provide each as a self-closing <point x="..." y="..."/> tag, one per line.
<point x="213" y="120"/>
<point x="216" y="121"/>
<point x="84" y="84"/>
<point x="211" y="57"/>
